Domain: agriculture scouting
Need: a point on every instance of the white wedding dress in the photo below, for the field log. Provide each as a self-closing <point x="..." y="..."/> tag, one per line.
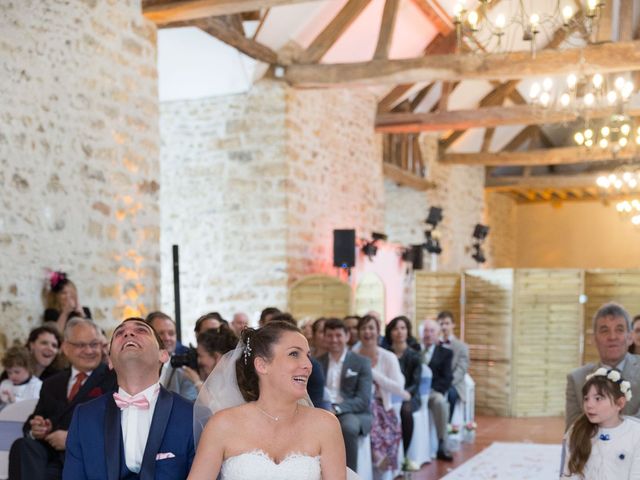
<point x="257" y="465"/>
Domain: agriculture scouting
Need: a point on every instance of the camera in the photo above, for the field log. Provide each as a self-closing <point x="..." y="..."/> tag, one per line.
<point x="187" y="359"/>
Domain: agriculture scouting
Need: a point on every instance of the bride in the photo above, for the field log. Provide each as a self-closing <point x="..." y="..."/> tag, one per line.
<point x="262" y="427"/>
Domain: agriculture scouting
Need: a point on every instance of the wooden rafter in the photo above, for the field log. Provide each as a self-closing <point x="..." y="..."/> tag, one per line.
<point x="481" y="117"/>
<point x="403" y="177"/>
<point x="626" y="20"/>
<point x="222" y="30"/>
<point x="386" y="29"/>
<point x="436" y="15"/>
<point x="527" y="133"/>
<point x="550" y="156"/>
<point x="332" y="32"/>
<point x="487" y="139"/>
<point x="499" y="184"/>
<point x="167" y="11"/>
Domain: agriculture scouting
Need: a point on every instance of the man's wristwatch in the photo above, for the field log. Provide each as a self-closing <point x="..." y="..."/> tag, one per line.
<point x="336" y="408"/>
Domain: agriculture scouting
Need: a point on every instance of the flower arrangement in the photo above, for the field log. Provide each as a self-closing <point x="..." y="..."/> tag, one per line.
<point x="470" y="426"/>
<point x="615" y="377"/>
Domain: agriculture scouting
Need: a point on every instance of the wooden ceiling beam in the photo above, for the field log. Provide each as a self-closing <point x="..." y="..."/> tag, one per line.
<point x="223" y="31"/>
<point x="167" y="11"/>
<point x="574" y="182"/>
<point x="332" y="32"/>
<point x="436" y="15"/>
<point x="551" y="156"/>
<point x="387" y="26"/>
<point x="480" y="117"/>
<point x="603" y="58"/>
<point x="527" y="133"/>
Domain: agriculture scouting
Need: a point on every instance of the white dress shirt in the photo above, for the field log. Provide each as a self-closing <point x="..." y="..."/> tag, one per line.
<point x="165" y="373"/>
<point x="135" y="424"/>
<point x="334" y="372"/>
<point x="72" y="379"/>
<point x="428" y="353"/>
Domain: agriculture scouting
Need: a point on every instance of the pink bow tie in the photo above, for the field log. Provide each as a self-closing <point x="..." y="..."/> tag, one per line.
<point x="138" y="401"/>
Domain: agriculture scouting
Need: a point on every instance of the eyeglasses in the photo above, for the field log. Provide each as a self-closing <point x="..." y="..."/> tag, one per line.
<point x="83" y="345"/>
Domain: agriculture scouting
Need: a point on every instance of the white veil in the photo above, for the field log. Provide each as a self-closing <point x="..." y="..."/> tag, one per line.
<point x="220" y="390"/>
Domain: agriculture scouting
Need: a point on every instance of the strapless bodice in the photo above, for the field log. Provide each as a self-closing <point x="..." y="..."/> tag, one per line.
<point x="257" y="465"/>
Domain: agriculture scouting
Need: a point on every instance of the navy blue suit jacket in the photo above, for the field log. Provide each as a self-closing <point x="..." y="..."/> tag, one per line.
<point x="94" y="442"/>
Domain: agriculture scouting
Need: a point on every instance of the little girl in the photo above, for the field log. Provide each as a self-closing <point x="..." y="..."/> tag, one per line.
<point x="21" y="384"/>
<point x="602" y="444"/>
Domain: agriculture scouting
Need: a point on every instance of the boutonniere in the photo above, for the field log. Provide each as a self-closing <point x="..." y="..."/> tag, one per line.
<point x="95" y="392"/>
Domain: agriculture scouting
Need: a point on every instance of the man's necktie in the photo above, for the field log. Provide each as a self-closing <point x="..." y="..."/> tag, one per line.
<point x="76" y="386"/>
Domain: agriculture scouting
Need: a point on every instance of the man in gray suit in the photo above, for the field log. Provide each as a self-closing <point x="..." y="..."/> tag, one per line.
<point x="348" y="382"/>
<point x="612" y="335"/>
<point x="460" y="362"/>
<point x="173" y="379"/>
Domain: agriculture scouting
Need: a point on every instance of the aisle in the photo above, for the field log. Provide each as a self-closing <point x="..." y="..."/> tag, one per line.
<point x="546" y="430"/>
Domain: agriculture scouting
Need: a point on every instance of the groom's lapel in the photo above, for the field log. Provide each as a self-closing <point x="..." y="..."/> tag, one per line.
<point x="112" y="434"/>
<point x="156" y="434"/>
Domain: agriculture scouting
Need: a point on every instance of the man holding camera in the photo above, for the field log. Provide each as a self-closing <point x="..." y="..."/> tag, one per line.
<point x="172" y="378"/>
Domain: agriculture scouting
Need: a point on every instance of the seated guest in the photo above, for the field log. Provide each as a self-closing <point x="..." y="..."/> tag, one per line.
<point x="171" y="378"/>
<point x="612" y="336"/>
<point x="387" y="380"/>
<point x="43" y="345"/>
<point x="266" y="315"/>
<point x="239" y="322"/>
<point x="318" y="347"/>
<point x="459" y="363"/>
<point x="208" y="321"/>
<point x="348" y="382"/>
<point x="62" y="301"/>
<point x="212" y="345"/>
<point x="438" y="359"/>
<point x="40" y="454"/>
<point x="21" y="383"/>
<point x="396" y="335"/>
<point x="351" y="321"/>
<point x="635" y="335"/>
<point x="142" y="431"/>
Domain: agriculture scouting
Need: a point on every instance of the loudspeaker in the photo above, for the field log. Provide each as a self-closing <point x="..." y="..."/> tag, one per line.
<point x="417" y="256"/>
<point x="344" y="248"/>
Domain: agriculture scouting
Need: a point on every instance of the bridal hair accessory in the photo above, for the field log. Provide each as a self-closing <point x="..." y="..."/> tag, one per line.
<point x="615" y="377"/>
<point x="247" y="350"/>
<point x="57" y="280"/>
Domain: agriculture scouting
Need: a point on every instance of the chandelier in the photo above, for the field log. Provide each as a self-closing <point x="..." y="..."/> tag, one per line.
<point x="600" y="102"/>
<point x="478" y="28"/>
<point x="623" y="182"/>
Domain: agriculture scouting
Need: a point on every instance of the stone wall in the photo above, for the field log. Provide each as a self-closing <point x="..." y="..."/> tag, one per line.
<point x="501" y="216"/>
<point x="78" y="157"/>
<point x="254" y="184"/>
<point x="224" y="171"/>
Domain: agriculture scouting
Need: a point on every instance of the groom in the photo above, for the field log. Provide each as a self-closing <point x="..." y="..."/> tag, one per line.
<point x="142" y="432"/>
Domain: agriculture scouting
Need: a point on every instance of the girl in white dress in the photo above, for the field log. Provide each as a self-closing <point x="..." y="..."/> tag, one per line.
<point x="270" y="434"/>
<point x="602" y="444"/>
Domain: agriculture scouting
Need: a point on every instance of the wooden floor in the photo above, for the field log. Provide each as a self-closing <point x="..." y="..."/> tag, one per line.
<point x="497" y="429"/>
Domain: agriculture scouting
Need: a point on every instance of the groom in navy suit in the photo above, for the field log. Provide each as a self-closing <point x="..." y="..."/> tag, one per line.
<point x="141" y="432"/>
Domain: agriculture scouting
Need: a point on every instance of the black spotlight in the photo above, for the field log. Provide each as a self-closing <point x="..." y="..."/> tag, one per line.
<point x="370" y="248"/>
<point x="435" y="216"/>
<point x="480" y="231"/>
<point x="478" y="254"/>
<point x="432" y="243"/>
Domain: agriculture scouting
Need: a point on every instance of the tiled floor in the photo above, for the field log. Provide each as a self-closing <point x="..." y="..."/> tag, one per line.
<point x="493" y="429"/>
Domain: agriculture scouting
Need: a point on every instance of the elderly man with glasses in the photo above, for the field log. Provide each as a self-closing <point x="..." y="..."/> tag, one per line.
<point x="40" y="454"/>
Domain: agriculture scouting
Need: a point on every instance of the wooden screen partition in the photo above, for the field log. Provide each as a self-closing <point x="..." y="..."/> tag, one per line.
<point x="436" y="292"/>
<point x="547" y="327"/>
<point x="487" y="325"/>
<point x="370" y="295"/>
<point x="319" y="296"/>
<point x="602" y="286"/>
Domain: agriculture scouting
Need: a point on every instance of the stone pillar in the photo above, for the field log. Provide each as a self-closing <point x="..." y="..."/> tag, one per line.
<point x="79" y="157"/>
<point x="253" y="186"/>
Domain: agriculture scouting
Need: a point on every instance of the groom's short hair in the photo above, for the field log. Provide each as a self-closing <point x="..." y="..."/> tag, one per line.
<point x="139" y="320"/>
